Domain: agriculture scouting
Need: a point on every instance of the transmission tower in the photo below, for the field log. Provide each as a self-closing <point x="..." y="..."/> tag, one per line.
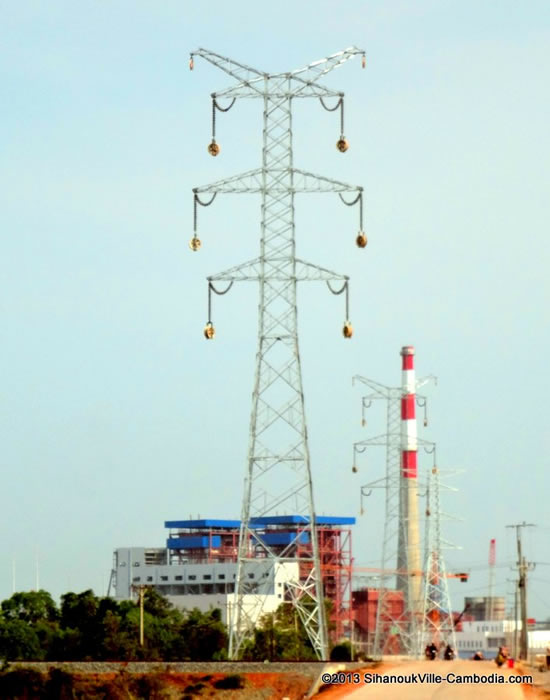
<point x="437" y="617"/>
<point x="278" y="476"/>
<point x="396" y="622"/>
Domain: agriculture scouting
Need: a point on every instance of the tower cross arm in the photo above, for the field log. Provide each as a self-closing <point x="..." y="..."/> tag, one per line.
<point x="378" y="440"/>
<point x="316" y="70"/>
<point x="239" y="71"/>
<point x="252" y="181"/>
<point x="250" y="80"/>
<point x="249" y="181"/>
<point x="307" y="272"/>
<point x="309" y="182"/>
<point x="281" y="86"/>
<point x="379" y="389"/>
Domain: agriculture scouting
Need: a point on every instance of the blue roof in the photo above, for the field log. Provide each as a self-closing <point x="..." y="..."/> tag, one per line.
<point x="258" y="522"/>
<point x="198" y="524"/>
<point x="299" y="520"/>
<point x="331" y="520"/>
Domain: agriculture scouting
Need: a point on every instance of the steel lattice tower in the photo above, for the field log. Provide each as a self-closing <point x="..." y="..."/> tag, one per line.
<point x="396" y="627"/>
<point x="437" y="616"/>
<point x="278" y="476"/>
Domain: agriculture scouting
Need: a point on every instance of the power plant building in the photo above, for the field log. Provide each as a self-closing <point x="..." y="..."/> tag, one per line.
<point x="198" y="566"/>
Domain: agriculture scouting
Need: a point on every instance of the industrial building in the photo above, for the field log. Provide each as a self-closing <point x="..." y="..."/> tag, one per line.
<point x="365" y="603"/>
<point x="488" y="635"/>
<point x="198" y="565"/>
<point x="485" y="607"/>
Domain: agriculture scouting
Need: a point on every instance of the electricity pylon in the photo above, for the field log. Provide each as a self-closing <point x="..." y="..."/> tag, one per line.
<point x="396" y="623"/>
<point x="437" y="624"/>
<point x="278" y="476"/>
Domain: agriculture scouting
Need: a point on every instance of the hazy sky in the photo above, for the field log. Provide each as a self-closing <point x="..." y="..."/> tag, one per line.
<point x="118" y="415"/>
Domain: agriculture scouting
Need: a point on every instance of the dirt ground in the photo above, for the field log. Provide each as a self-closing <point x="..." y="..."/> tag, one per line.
<point x="539" y="689"/>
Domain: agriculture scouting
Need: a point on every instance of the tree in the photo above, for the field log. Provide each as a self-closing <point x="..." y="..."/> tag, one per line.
<point x="279" y="636"/>
<point x="204" y="635"/>
<point x="19" y="642"/>
<point x="30" y="606"/>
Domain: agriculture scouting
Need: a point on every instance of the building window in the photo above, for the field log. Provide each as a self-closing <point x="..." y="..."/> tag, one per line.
<point x="250" y="575"/>
<point x="192" y="577"/>
<point x="221" y="577"/>
<point x="207" y="577"/>
<point x="149" y="578"/>
<point x="164" y="578"/>
<point x="178" y="578"/>
<point x="136" y="578"/>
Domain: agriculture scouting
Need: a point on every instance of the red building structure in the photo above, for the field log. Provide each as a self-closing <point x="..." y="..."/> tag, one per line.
<point x="364" y="612"/>
<point x="217" y="541"/>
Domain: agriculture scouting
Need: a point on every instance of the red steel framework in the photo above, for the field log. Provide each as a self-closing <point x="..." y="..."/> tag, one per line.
<point x="204" y="541"/>
<point x="336" y="568"/>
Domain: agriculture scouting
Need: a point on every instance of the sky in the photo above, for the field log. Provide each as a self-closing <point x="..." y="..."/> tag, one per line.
<point x="117" y="415"/>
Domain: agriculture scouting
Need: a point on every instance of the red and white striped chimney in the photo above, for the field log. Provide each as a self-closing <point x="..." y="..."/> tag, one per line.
<point x="409" y="474"/>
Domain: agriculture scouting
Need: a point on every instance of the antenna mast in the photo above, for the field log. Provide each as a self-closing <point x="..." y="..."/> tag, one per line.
<point x="492" y="562"/>
<point x="278" y="476"/>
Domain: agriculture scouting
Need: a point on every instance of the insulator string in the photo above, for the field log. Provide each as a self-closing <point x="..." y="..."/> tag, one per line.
<point x="211" y="289"/>
<point x="344" y="288"/>
<point x="196" y="200"/>
<point x="340" y="104"/>
<point x="216" y="106"/>
<point x="213" y="119"/>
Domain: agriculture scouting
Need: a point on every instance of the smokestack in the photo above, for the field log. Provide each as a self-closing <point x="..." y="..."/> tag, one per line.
<point x="409" y="476"/>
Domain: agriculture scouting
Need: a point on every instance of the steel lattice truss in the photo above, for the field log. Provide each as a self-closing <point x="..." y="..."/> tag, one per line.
<point x="396" y="626"/>
<point x="437" y="619"/>
<point x="278" y="478"/>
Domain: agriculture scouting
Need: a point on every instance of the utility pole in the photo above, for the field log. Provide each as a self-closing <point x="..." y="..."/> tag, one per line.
<point x="523" y="566"/>
<point x="141" y="595"/>
<point x="516" y="620"/>
<point x="490" y="608"/>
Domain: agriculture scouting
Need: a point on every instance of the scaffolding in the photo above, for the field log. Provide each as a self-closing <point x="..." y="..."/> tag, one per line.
<point x="336" y="572"/>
